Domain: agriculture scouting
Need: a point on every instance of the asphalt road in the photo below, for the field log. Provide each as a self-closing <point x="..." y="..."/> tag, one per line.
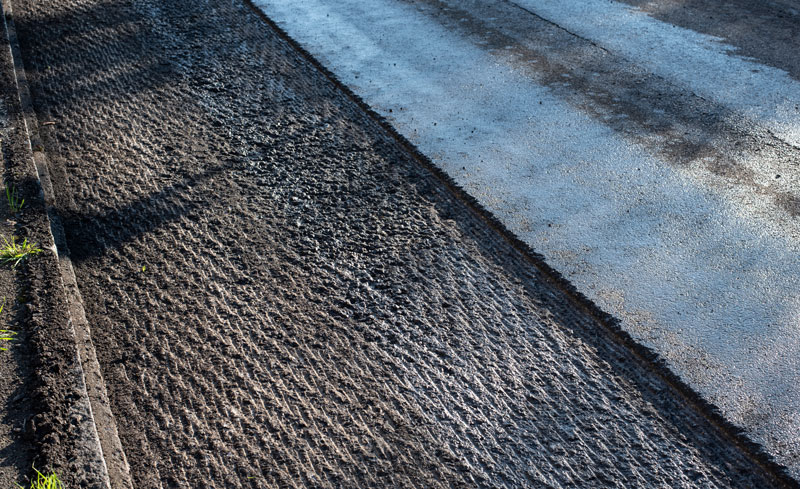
<point x="649" y="150"/>
<point x="281" y="294"/>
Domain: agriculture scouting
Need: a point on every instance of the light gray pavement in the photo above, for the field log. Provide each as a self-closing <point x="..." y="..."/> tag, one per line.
<point x="653" y="164"/>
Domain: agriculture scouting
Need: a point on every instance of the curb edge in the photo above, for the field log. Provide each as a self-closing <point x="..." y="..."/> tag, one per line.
<point x="88" y="412"/>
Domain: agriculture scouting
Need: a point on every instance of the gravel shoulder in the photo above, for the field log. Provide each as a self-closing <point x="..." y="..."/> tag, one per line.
<point x="281" y="295"/>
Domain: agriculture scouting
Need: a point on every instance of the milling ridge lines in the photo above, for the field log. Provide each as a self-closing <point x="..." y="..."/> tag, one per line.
<point x="598" y="139"/>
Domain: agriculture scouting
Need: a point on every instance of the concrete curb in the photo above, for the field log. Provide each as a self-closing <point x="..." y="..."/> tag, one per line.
<point x="89" y="444"/>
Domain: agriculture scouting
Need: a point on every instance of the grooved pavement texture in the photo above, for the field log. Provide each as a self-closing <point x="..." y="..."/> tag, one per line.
<point x="281" y="297"/>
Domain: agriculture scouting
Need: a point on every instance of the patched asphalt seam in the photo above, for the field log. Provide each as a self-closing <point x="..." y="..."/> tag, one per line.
<point x="555" y="24"/>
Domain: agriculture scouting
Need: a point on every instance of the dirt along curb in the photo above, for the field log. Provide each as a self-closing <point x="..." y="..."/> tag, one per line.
<point x="72" y="426"/>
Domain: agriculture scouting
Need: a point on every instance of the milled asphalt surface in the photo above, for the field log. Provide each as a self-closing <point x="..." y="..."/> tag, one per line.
<point x="650" y="163"/>
<point x="281" y="295"/>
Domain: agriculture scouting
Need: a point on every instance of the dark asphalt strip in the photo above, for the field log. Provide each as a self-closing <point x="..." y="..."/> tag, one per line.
<point x="281" y="295"/>
<point x="767" y="31"/>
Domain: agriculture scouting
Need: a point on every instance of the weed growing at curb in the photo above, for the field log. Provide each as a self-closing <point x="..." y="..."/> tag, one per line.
<point x="13" y="252"/>
<point x="45" y="481"/>
<point x="5" y="334"/>
<point x="14" y="202"/>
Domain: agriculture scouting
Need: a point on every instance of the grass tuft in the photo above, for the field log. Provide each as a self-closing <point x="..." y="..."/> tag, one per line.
<point x="5" y="334"/>
<point x="45" y="481"/>
<point x="14" y="202"/>
<point x="14" y="253"/>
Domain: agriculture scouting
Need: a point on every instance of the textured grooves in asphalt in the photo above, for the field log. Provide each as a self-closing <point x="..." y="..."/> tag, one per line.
<point x="281" y="296"/>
